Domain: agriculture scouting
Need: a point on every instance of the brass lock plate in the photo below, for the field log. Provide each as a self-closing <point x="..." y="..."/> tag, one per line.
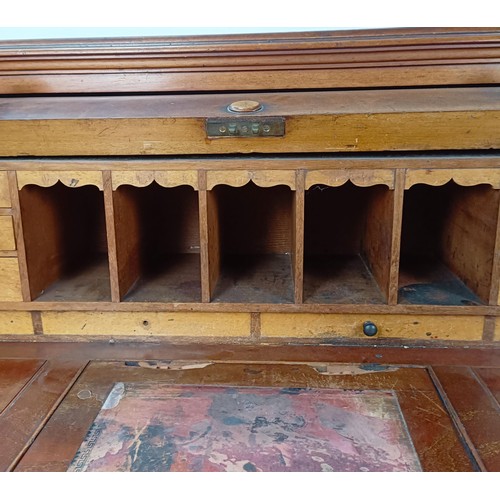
<point x="270" y="126"/>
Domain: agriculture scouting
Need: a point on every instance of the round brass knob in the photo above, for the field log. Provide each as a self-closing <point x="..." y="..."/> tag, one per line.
<point x="370" y="328"/>
<point x="244" y="106"/>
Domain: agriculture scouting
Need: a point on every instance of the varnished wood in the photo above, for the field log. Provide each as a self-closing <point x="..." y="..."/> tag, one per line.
<point x="427" y="414"/>
<point x="340" y="351"/>
<point x="432" y="177"/>
<point x="69" y="179"/>
<point x="91" y="281"/>
<point x="444" y="56"/>
<point x="255" y="228"/>
<point x="360" y="178"/>
<point x="165" y="179"/>
<point x="133" y="81"/>
<point x="477" y="410"/>
<point x="494" y="297"/>
<point x="186" y="324"/>
<point x="445" y="226"/>
<point x="298" y="237"/>
<point x="8" y="253"/>
<point x="16" y="323"/>
<point x="347" y="258"/>
<point x="345" y="308"/>
<point x="210" y="242"/>
<point x="334" y="106"/>
<point x="397" y="221"/>
<point x="10" y="280"/>
<point x="70" y="242"/>
<point x="367" y="114"/>
<point x="36" y="318"/>
<point x="23" y="419"/>
<point x="469" y="247"/>
<point x="4" y="190"/>
<point x="127" y="233"/>
<point x="158" y="243"/>
<point x="112" y="251"/>
<point x="7" y="239"/>
<point x="490" y="377"/>
<point x="255" y="220"/>
<point x="412" y="386"/>
<point x="377" y="237"/>
<point x="14" y="375"/>
<point x="267" y="178"/>
<point x="337" y="325"/>
<point x="341" y="164"/>
<point x="417" y="119"/>
<point x="19" y="235"/>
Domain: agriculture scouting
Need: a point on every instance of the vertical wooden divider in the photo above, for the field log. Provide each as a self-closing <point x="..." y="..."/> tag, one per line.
<point x="397" y="221"/>
<point x="377" y="239"/>
<point x="127" y="230"/>
<point x="19" y="235"/>
<point x="209" y="238"/>
<point x="116" y="293"/>
<point x="204" y="253"/>
<point x="494" y="298"/>
<point x="298" y="236"/>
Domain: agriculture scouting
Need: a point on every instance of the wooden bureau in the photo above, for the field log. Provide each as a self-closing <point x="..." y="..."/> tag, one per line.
<point x="357" y="197"/>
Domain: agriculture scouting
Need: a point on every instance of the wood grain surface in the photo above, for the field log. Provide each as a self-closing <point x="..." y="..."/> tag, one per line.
<point x="337" y="59"/>
<point x="397" y="120"/>
<point x="435" y="440"/>
<point x="477" y="410"/>
<point x="22" y="420"/>
<point x="14" y="375"/>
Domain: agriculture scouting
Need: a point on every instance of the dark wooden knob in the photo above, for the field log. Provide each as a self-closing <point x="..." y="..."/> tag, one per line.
<point x="370" y="328"/>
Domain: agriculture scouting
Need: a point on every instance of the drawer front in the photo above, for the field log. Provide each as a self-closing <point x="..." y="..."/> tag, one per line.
<point x="4" y="191"/>
<point x="189" y="324"/>
<point x="7" y="240"/>
<point x="322" y="122"/>
<point x="15" y="322"/>
<point x="10" y="283"/>
<point x="351" y="325"/>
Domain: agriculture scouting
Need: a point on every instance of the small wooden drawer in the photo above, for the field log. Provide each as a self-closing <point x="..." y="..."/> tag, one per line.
<point x="7" y="240"/>
<point x="16" y="322"/>
<point x="10" y="283"/>
<point x="4" y="191"/>
<point x="185" y="324"/>
<point x="351" y="325"/>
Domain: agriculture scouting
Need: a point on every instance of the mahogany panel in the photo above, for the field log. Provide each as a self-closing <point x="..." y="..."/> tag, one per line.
<point x="23" y="419"/>
<point x="478" y="411"/>
<point x="491" y="378"/>
<point x="14" y="375"/>
<point x="436" y="443"/>
<point x="337" y="351"/>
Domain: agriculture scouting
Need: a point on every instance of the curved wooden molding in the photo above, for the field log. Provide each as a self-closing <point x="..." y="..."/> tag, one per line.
<point x="358" y="58"/>
<point x="360" y="178"/>
<point x="262" y="178"/>
<point x="71" y="179"/>
<point x="167" y="179"/>
<point x="439" y="177"/>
